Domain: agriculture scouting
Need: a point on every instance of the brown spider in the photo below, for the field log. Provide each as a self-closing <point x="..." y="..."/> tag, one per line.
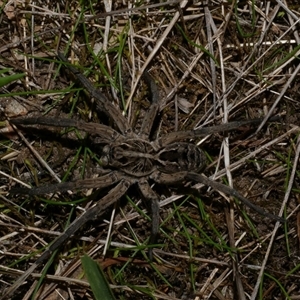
<point x="131" y="158"/>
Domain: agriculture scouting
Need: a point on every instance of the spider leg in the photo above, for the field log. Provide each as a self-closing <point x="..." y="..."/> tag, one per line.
<point x="94" y="212"/>
<point x="231" y="192"/>
<point x="106" y="133"/>
<point x="181" y="135"/>
<point x="181" y="176"/>
<point x="149" y="194"/>
<point x="102" y="103"/>
<point x="154" y="107"/>
<point x="100" y="182"/>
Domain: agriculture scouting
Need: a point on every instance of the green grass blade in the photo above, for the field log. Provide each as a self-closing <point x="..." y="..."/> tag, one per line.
<point x="282" y="289"/>
<point x="97" y="279"/>
<point x="44" y="274"/>
<point x="8" y="79"/>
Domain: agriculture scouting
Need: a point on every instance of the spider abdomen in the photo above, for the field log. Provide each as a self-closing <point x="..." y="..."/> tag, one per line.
<point x="178" y="157"/>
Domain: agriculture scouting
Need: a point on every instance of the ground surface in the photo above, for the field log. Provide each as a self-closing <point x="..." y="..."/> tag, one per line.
<point x="224" y="61"/>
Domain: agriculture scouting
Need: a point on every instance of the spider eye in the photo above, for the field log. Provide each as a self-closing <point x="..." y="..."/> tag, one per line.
<point x="105" y="160"/>
<point x="105" y="157"/>
<point x="106" y="149"/>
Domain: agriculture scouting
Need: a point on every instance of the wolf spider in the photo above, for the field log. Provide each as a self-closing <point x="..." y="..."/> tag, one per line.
<point x="132" y="158"/>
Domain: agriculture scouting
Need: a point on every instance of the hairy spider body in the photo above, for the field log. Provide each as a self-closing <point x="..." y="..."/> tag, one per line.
<point x="131" y="158"/>
<point x="139" y="158"/>
<point x="134" y="157"/>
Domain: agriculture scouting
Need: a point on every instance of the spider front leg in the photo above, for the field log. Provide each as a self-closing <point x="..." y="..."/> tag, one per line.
<point x="99" y="183"/>
<point x="154" y="107"/>
<point x="105" y="133"/>
<point x="94" y="212"/>
<point x="102" y="103"/>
